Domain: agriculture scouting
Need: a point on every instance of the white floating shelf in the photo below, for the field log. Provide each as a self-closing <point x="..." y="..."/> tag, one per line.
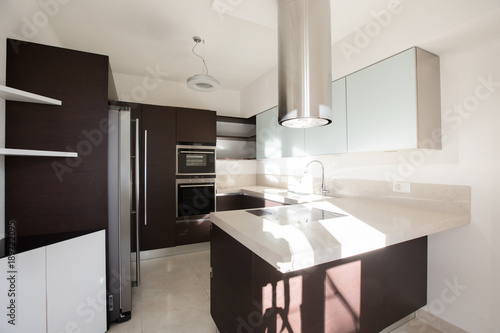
<point x="28" y="152"/>
<point x="11" y="94"/>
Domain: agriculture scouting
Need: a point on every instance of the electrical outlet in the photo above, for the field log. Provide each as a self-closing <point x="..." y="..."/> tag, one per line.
<point x="401" y="187"/>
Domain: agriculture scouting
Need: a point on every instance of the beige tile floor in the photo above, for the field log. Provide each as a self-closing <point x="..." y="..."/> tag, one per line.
<point x="174" y="297"/>
<point x="416" y="326"/>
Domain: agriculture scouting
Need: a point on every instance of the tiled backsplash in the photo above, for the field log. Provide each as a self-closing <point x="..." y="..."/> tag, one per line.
<point x="234" y="174"/>
<point x="444" y="198"/>
<point x="235" y="181"/>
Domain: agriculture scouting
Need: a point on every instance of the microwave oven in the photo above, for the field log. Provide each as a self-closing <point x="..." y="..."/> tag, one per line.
<point x="195" y="160"/>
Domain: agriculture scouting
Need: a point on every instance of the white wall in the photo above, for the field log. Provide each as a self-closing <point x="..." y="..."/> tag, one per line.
<point x="470" y="255"/>
<point x="22" y="21"/>
<point x="261" y="95"/>
<point x="154" y="89"/>
<point x="464" y="264"/>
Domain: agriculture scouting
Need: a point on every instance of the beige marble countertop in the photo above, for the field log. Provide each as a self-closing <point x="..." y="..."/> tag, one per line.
<point x="293" y="241"/>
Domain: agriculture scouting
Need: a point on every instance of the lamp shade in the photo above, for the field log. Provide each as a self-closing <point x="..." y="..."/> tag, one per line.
<point x="203" y="82"/>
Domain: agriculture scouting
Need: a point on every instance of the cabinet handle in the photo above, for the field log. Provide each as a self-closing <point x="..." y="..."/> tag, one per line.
<point x="199" y="185"/>
<point x="146" y="177"/>
<point x="137" y="206"/>
<point x="195" y="152"/>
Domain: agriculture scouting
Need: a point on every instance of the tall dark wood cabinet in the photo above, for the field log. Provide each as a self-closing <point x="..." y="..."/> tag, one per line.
<point x="158" y="149"/>
<point x="157" y="213"/>
<point x="49" y="195"/>
<point x="156" y="175"/>
<point x="196" y="126"/>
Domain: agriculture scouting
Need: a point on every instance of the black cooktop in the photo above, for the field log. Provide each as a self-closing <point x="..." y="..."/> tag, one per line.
<point x="288" y="214"/>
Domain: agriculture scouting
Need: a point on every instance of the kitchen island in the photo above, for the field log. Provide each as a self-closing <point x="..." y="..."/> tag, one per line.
<point x="336" y="265"/>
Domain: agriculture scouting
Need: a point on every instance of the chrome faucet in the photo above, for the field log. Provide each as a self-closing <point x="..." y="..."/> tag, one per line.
<point x="323" y="186"/>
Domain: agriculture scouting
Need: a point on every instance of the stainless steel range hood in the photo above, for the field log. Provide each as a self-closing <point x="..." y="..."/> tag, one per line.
<point x="304" y="63"/>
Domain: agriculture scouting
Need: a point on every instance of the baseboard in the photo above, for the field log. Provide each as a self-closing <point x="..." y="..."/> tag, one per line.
<point x="400" y="322"/>
<point x="172" y="251"/>
<point x="438" y="323"/>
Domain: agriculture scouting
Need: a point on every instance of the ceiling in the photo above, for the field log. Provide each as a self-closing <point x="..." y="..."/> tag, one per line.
<point x="240" y="35"/>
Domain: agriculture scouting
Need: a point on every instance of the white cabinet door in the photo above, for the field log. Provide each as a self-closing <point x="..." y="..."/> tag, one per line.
<point x="76" y="285"/>
<point x="330" y="139"/>
<point x="23" y="283"/>
<point x="382" y="105"/>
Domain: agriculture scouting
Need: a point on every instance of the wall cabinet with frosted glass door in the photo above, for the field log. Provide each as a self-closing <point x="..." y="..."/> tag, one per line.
<point x="391" y="105"/>
<point x="275" y="141"/>
<point x="395" y="104"/>
<point x="332" y="138"/>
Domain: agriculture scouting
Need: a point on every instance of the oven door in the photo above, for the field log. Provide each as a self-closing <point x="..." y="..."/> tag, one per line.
<point x="195" y="197"/>
<point x="195" y="160"/>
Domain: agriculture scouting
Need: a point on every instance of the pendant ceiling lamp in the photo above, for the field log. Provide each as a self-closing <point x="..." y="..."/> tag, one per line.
<point x="202" y="82"/>
<point x="304" y="63"/>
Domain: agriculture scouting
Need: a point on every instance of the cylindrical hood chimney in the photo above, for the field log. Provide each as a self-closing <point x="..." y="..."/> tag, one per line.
<point x="304" y="63"/>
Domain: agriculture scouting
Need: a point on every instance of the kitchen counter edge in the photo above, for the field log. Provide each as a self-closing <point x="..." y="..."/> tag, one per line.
<point x="411" y="223"/>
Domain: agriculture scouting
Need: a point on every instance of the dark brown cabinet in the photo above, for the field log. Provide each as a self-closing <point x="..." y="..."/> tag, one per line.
<point x="196" y="126"/>
<point x="364" y="293"/>
<point x="159" y="227"/>
<point x="156" y="175"/>
<point x="158" y="151"/>
<point x="404" y="283"/>
<point x="192" y="231"/>
<point x="242" y="201"/>
<point x="249" y="202"/>
<point x="228" y="202"/>
<point x="51" y="195"/>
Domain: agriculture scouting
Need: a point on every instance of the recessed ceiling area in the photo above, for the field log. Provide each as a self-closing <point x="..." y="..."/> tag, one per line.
<point x="241" y="38"/>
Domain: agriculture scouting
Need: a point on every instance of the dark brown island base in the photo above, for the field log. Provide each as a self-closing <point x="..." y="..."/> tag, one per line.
<point x="363" y="293"/>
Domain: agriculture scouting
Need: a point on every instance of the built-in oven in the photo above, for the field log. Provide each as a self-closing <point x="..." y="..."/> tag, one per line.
<point x="195" y="197"/>
<point x="195" y="202"/>
<point x="195" y="160"/>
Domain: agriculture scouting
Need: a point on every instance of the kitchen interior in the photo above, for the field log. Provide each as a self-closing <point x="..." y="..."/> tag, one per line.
<point x="144" y="193"/>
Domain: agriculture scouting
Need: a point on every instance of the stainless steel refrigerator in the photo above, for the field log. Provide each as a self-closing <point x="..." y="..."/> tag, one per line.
<point x="123" y="203"/>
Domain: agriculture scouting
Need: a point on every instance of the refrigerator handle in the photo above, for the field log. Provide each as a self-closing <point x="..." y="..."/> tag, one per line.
<point x="146" y="177"/>
<point x="137" y="204"/>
